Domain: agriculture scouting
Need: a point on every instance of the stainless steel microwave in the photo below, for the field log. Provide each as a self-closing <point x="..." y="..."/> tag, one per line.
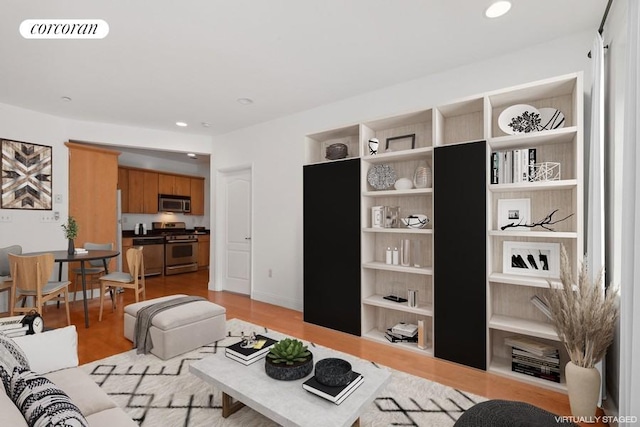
<point x="169" y="203"/>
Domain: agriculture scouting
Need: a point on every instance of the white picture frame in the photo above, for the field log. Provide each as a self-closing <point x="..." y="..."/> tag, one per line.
<point x="531" y="259"/>
<point x="514" y="212"/>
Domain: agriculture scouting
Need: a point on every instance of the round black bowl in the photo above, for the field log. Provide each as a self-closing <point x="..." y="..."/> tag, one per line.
<point x="333" y="372"/>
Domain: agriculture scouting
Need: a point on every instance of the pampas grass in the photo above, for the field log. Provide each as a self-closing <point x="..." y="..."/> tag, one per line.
<point x="582" y="315"/>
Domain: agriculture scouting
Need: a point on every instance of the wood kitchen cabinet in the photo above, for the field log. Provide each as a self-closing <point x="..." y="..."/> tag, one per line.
<point x="174" y="185"/>
<point x="197" y="196"/>
<point x="142" y="192"/>
<point x="123" y="186"/>
<point x="204" y="242"/>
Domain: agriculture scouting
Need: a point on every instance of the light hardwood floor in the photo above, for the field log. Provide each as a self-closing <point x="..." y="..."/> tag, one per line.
<point x="105" y="338"/>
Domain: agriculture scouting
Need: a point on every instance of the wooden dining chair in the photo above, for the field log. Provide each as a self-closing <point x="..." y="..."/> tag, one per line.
<point x="30" y="275"/>
<point x="93" y="271"/>
<point x="6" y="284"/>
<point x="119" y="279"/>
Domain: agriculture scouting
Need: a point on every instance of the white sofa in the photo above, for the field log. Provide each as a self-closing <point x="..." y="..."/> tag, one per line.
<point x="53" y="354"/>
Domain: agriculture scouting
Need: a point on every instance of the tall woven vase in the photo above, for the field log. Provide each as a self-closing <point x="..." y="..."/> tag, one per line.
<point x="583" y="385"/>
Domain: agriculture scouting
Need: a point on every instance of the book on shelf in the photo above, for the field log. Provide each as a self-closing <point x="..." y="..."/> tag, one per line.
<point x="335" y="394"/>
<point x="530" y="345"/>
<point x="405" y="329"/>
<point x="513" y="166"/>
<point x="250" y="354"/>
<point x="394" y="337"/>
<point x="544" y="360"/>
<point x="555" y="377"/>
<point x="536" y="367"/>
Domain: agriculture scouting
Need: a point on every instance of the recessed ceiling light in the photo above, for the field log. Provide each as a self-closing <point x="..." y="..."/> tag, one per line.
<point x="66" y="98"/>
<point x="245" y="101"/>
<point x="192" y="155"/>
<point x="497" y="9"/>
<point x="181" y="124"/>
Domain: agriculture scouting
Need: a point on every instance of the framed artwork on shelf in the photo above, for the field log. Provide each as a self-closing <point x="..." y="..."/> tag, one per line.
<point x="26" y="176"/>
<point x="404" y="142"/>
<point x="531" y="259"/>
<point x="514" y="213"/>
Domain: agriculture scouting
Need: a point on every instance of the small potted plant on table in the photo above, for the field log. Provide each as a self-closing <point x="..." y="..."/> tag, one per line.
<point x="70" y="232"/>
<point x="288" y="360"/>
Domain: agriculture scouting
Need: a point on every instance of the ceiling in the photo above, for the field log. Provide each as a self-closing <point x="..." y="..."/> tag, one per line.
<point x="165" y="61"/>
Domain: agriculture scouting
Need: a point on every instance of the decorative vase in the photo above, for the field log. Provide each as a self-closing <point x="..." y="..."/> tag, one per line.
<point x="284" y="372"/>
<point x="422" y="175"/>
<point x="583" y="385"/>
<point x="71" y="248"/>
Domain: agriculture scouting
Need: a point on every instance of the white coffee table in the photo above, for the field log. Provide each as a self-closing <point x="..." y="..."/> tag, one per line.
<point x="286" y="402"/>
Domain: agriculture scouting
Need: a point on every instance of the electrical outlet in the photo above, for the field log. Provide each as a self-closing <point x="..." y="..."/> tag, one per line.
<point x="58" y="198"/>
<point x="6" y="217"/>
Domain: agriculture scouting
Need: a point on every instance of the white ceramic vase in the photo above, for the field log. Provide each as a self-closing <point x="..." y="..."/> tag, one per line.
<point x="583" y="385"/>
<point x="422" y="175"/>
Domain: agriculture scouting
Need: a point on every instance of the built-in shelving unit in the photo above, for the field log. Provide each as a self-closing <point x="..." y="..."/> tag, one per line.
<point x="507" y="304"/>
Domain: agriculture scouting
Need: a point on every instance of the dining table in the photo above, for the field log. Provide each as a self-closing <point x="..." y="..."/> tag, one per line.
<point x="63" y="256"/>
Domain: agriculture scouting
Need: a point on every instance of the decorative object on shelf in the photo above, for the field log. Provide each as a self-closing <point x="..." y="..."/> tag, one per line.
<point x="381" y="177"/>
<point x="514" y="213"/>
<point x="550" y="118"/>
<point x="531" y="259"/>
<point x="337" y="151"/>
<point x="422" y="339"/>
<point x="544" y="222"/>
<point x="403" y="184"/>
<point x="519" y="118"/>
<point x="333" y="372"/>
<point x="404" y="142"/>
<point x="288" y="360"/>
<point x="547" y="171"/>
<point x="412" y="295"/>
<point x="388" y="259"/>
<point x="395" y="255"/>
<point x="377" y="216"/>
<point x="395" y="298"/>
<point x="405" y="252"/>
<point x="373" y="145"/>
<point x="391" y="216"/>
<point x="585" y="319"/>
<point x="422" y="175"/>
<point x="416" y="221"/>
<point x="26" y="176"/>
<point x="70" y="232"/>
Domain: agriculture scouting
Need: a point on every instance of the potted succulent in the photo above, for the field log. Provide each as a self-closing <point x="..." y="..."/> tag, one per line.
<point x="70" y="232"/>
<point x="584" y="316"/>
<point x="288" y="360"/>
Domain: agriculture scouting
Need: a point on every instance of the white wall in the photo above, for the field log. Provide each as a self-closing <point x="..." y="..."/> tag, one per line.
<point x="276" y="149"/>
<point x="25" y="227"/>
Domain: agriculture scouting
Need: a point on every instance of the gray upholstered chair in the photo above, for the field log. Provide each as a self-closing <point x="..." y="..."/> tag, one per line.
<point x="30" y="275"/>
<point x="5" y="270"/>
<point x="93" y="271"/>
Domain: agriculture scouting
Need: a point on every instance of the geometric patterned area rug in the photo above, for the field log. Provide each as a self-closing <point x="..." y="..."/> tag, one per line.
<point x="164" y="393"/>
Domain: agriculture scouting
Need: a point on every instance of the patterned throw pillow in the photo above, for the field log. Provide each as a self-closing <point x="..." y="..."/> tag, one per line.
<point x="11" y="356"/>
<point x="42" y="403"/>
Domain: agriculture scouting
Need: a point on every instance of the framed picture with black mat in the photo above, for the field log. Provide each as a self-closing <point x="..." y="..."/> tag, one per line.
<point x="531" y="259"/>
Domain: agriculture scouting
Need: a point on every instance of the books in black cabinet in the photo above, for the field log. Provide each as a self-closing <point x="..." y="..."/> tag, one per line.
<point x="334" y="394"/>
<point x="250" y="355"/>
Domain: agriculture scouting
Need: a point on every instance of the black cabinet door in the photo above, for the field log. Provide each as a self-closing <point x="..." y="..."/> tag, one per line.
<point x="459" y="222"/>
<point x="332" y="245"/>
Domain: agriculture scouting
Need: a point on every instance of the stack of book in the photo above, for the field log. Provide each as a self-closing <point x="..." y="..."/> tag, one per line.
<point x="402" y="332"/>
<point x="534" y="358"/>
<point x="513" y="166"/>
<point x="13" y="327"/>
<point x="334" y="394"/>
<point x="249" y="355"/>
<point x="80" y="251"/>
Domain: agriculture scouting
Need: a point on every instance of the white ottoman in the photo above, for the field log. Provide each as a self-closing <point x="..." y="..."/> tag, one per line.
<point x="179" y="329"/>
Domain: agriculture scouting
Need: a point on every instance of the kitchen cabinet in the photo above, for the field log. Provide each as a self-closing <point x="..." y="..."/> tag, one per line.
<point x="197" y="196"/>
<point x="204" y="242"/>
<point x="174" y="185"/>
<point x="142" y="192"/>
<point x="123" y="186"/>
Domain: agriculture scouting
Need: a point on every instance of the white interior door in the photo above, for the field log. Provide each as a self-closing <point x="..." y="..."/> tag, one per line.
<point x="237" y="262"/>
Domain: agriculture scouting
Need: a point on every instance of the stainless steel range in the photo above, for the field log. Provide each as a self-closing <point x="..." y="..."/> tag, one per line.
<point x="180" y="247"/>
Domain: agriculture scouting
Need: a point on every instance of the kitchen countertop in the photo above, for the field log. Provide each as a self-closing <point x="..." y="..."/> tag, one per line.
<point x="156" y="233"/>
